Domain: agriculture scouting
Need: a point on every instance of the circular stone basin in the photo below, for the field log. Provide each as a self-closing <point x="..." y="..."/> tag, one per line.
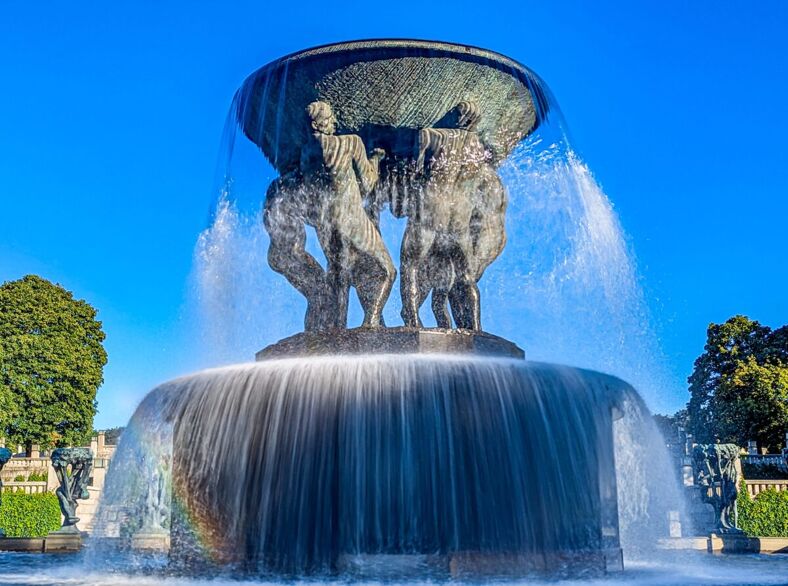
<point x="385" y="91"/>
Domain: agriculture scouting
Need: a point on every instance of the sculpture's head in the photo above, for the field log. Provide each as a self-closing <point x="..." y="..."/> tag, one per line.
<point x="322" y="117"/>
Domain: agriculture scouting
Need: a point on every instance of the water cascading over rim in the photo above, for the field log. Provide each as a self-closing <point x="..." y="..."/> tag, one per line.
<point x="435" y="465"/>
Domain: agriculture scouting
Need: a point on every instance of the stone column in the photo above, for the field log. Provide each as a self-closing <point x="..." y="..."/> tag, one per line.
<point x="608" y="495"/>
<point x="785" y="450"/>
<point x="674" y="524"/>
<point x="52" y="481"/>
<point x="5" y="455"/>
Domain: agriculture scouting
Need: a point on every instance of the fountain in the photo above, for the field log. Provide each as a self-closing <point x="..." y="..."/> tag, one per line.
<point x="382" y="449"/>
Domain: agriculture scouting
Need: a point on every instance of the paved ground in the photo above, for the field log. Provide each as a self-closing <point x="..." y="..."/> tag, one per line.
<point x="94" y="569"/>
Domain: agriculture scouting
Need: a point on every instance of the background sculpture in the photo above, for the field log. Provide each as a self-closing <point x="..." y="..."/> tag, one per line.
<point x="72" y="467"/>
<point x="5" y="456"/>
<point x="715" y="470"/>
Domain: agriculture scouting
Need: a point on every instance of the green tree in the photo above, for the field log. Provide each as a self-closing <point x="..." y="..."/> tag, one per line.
<point x="7" y="403"/>
<point x="752" y="404"/>
<point x="738" y="386"/>
<point x="51" y="364"/>
<point x="112" y="435"/>
<point x="669" y="425"/>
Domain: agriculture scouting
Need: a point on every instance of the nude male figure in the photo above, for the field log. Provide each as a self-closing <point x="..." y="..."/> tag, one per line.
<point x="488" y="238"/>
<point x="338" y="167"/>
<point x="285" y="215"/>
<point x="439" y="222"/>
<point x="327" y="193"/>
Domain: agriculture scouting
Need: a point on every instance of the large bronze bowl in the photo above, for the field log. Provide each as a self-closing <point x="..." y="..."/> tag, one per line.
<point x="385" y="90"/>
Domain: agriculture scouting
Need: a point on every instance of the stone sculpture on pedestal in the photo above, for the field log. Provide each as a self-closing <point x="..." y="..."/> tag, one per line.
<point x="716" y="473"/>
<point x="72" y="467"/>
<point x="5" y="456"/>
<point x="156" y="506"/>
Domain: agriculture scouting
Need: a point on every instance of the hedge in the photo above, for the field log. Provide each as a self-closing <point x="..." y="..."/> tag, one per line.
<point x="29" y="515"/>
<point x="766" y="515"/>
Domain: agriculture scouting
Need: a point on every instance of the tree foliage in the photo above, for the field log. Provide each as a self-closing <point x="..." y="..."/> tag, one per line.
<point x="739" y="386"/>
<point x="112" y="435"/>
<point x="51" y="364"/>
<point x="669" y="425"/>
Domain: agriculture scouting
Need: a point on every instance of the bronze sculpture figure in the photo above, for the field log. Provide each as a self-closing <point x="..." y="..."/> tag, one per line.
<point x="327" y="193"/>
<point x="450" y="162"/>
<point x="72" y="467"/>
<point x="288" y="209"/>
<point x="715" y="471"/>
<point x="488" y="238"/>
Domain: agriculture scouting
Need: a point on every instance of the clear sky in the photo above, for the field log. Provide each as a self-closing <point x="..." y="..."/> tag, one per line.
<point x="111" y="115"/>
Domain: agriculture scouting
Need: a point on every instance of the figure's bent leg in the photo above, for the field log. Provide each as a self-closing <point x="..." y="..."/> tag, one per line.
<point x="440" y="308"/>
<point x="287" y="255"/>
<point x="465" y="293"/>
<point x="415" y="243"/>
<point x="378" y="279"/>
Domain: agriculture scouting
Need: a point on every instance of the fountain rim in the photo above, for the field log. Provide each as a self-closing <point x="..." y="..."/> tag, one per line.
<point x="540" y="94"/>
<point x="399" y="43"/>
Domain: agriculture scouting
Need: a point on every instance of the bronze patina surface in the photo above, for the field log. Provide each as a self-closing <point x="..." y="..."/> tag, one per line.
<point x="380" y="89"/>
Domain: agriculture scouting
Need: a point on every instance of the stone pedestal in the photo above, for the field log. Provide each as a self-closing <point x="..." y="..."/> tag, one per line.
<point x="22" y="544"/>
<point x="63" y="541"/>
<point x="392" y="341"/>
<point x="151" y="541"/>
<point x="475" y="565"/>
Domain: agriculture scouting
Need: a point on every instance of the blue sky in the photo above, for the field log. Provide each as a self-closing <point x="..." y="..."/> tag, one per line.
<point x="111" y="115"/>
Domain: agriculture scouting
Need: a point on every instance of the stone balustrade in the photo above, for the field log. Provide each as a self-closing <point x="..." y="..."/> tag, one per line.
<point x="28" y="487"/>
<point x="776" y="460"/>
<point x="756" y="486"/>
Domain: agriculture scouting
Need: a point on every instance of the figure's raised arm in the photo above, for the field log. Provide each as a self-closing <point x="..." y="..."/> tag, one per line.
<point x="367" y="169"/>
